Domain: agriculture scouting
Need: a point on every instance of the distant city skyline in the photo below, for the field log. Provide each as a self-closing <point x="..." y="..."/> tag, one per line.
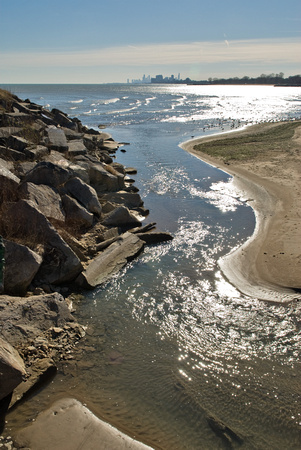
<point x="148" y="79"/>
<point x="72" y="41"/>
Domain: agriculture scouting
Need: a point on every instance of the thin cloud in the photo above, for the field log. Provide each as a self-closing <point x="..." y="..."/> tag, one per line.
<point x="244" y="51"/>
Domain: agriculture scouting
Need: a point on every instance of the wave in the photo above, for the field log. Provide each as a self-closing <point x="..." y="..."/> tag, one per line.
<point x="148" y="100"/>
<point x="107" y="101"/>
<point x="76" y="101"/>
<point x="120" y="111"/>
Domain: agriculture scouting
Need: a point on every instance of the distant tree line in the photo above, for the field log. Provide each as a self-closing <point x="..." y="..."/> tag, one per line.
<point x="275" y="79"/>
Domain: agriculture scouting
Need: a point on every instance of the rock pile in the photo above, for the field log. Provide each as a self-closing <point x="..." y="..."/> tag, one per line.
<point x="69" y="216"/>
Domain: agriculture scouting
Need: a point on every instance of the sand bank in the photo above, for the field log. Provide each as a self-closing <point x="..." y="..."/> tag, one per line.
<point x="68" y="425"/>
<point x="268" y="265"/>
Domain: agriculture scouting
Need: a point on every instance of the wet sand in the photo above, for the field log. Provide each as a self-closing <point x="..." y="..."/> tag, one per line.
<point x="268" y="265"/>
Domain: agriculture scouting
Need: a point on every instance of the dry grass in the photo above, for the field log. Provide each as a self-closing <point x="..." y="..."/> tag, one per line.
<point x="6" y="100"/>
<point x="272" y="140"/>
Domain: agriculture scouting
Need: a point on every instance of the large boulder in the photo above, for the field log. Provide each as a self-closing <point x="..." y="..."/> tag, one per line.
<point x="34" y="152"/>
<point x="48" y="173"/>
<point x="76" y="214"/>
<point x="121" y="216"/>
<point x="63" y="120"/>
<point x="56" y="139"/>
<point x="12" y="369"/>
<point x="129" y="199"/>
<point x="84" y="193"/>
<point x="111" y="260"/>
<point x="60" y="264"/>
<point x="8" y="185"/>
<point x="23" y="319"/>
<point x="72" y="134"/>
<point x="10" y="154"/>
<point x="46" y="199"/>
<point x="76" y="147"/>
<point x="17" y="143"/>
<point x="6" y="132"/>
<point x="21" y="266"/>
<point x="102" y="180"/>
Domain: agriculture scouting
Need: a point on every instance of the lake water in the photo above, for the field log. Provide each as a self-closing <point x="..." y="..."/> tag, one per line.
<point x="169" y="341"/>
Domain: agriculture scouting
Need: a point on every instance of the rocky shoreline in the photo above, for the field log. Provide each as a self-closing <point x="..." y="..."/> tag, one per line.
<point x="70" y="219"/>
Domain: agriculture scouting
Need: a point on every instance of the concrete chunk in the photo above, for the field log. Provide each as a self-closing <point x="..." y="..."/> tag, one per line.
<point x="111" y="260"/>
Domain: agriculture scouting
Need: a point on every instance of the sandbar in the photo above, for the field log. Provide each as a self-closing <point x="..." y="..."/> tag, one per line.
<point x="268" y="265"/>
<point x="69" y="425"/>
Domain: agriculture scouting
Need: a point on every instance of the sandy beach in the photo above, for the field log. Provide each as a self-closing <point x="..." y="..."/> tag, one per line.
<point x="268" y="265"/>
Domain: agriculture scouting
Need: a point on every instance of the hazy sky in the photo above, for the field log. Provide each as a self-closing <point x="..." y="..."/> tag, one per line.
<point x="97" y="41"/>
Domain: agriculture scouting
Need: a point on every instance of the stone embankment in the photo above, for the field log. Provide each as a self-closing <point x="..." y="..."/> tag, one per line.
<point x="70" y="218"/>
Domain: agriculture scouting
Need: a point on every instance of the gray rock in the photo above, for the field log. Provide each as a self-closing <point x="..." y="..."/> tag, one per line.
<point x="76" y="214"/>
<point x="11" y="154"/>
<point x="6" y="132"/>
<point x="12" y="369"/>
<point x="91" y="142"/>
<point x="81" y="170"/>
<point x="36" y="152"/>
<point x="130" y="170"/>
<point x="7" y="164"/>
<point x="21" y="266"/>
<point x="84" y="193"/>
<point x="117" y="174"/>
<point x="48" y="173"/>
<point x="76" y="168"/>
<point x="56" y="139"/>
<point x="76" y="147"/>
<point x="60" y="264"/>
<point x="63" y="120"/>
<point x="15" y="119"/>
<point x="111" y="260"/>
<point x="108" y="207"/>
<point x="102" y="180"/>
<point x="111" y="146"/>
<point x="104" y="156"/>
<point x="119" y="167"/>
<point x="129" y="199"/>
<point x="72" y="134"/>
<point x="24" y="319"/>
<point x="46" y="199"/>
<point x="40" y="370"/>
<point x="17" y="143"/>
<point x="8" y="185"/>
<point x="121" y="216"/>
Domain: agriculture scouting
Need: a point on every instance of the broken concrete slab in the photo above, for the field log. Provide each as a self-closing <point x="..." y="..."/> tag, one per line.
<point x="111" y="260"/>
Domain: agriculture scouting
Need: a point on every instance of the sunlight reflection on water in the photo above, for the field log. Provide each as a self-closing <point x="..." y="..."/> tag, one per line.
<point x="189" y="344"/>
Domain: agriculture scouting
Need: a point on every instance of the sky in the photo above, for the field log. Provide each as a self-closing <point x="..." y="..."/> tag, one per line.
<point x="97" y="41"/>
